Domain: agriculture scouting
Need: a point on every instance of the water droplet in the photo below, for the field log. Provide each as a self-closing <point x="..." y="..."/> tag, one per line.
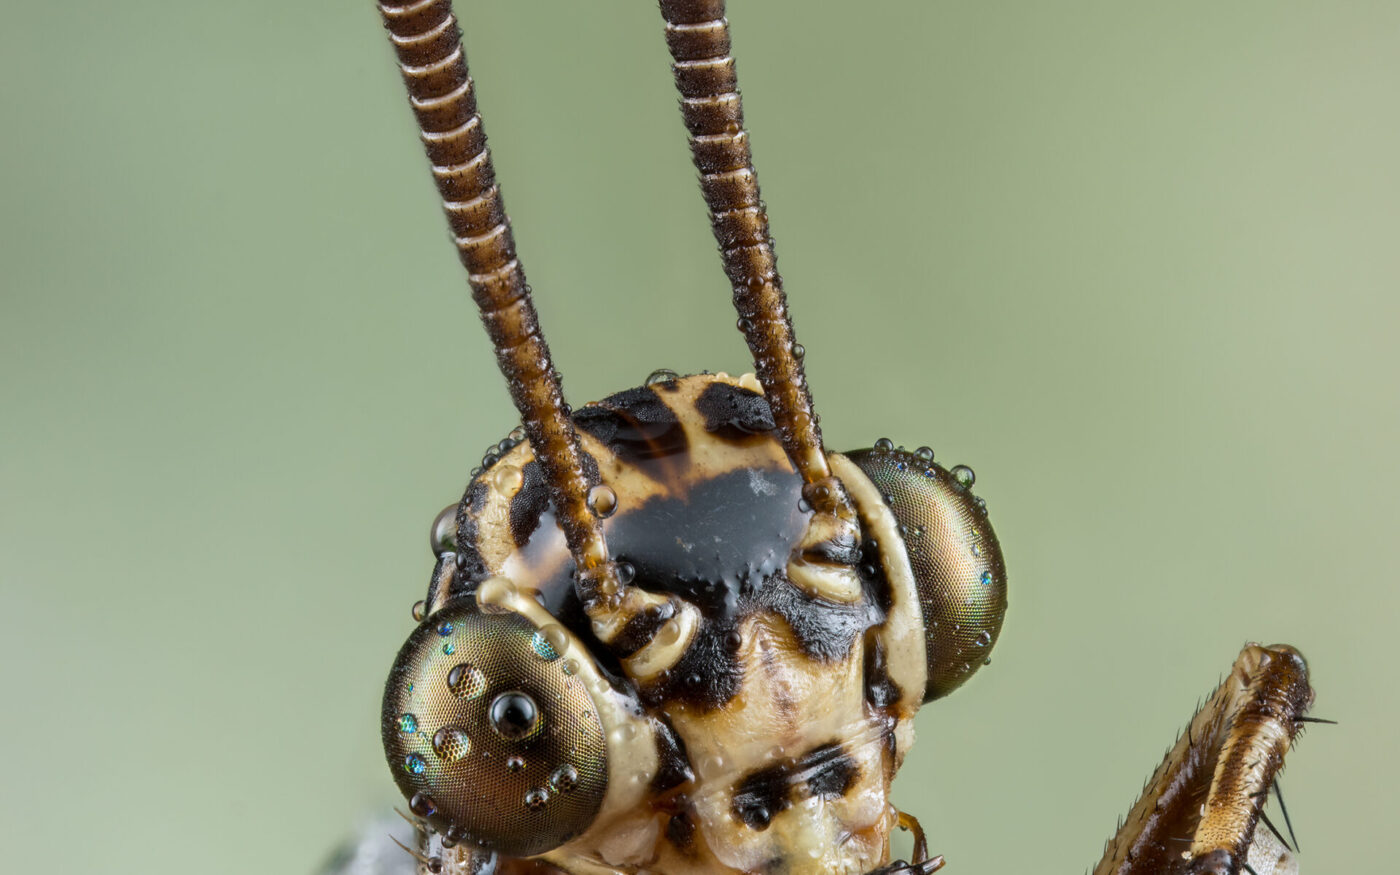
<point x="924" y="454"/>
<point x="563" y="779"/>
<point x="734" y="638"/>
<point x="602" y="500"/>
<point x="446" y="628"/>
<point x="451" y="744"/>
<point x="984" y="639"/>
<point x="434" y="865"/>
<point x="545" y="650"/>
<point x="986" y="578"/>
<point x="517" y="434"/>
<point x="624" y="733"/>
<point x="570" y="667"/>
<point x="466" y="681"/>
<point x="449" y="648"/>
<point x="442" y="537"/>
<point x="964" y="476"/>
<point x="414" y="764"/>
<point x="537" y="799"/>
<point x="744" y="325"/>
<point x="884" y="445"/>
<point x="515" y="764"/>
<point x="557" y="638"/>
<point x="408" y="724"/>
<point x="799" y="351"/>
<point x="507" y="479"/>
<point x="420" y="610"/>
<point x="987" y="661"/>
<point x="711" y="766"/>
<point x="626" y="573"/>
<point x="693" y="680"/>
<point x="976" y="549"/>
<point x="422" y="805"/>
<point x="514" y="715"/>
<point x="980" y="503"/>
<point x="661" y="375"/>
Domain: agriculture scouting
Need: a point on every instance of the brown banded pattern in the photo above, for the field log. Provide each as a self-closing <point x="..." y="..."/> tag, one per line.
<point x="428" y="44"/>
<point x="697" y="34"/>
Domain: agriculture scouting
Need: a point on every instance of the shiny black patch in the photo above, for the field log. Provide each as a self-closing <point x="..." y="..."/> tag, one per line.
<point x="636" y="425"/>
<point x="829" y="771"/>
<point x="762" y="795"/>
<point x="733" y="412"/>
<point x="727" y="537"/>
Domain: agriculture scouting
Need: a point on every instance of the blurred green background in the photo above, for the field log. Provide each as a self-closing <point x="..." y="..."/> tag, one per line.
<point x="1136" y="263"/>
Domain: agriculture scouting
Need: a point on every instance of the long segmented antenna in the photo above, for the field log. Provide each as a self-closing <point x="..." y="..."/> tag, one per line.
<point x="697" y="34"/>
<point x="429" y="48"/>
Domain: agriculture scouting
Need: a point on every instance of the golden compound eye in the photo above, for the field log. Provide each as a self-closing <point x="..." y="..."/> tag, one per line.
<point x="953" y="553"/>
<point x="491" y="735"/>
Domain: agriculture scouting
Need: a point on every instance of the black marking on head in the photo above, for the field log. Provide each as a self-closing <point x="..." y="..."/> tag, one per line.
<point x="828" y="770"/>
<point x="880" y="690"/>
<point x="706" y="676"/>
<point x="680" y="832"/>
<point x="733" y="412"/>
<point x="469" y="562"/>
<point x="825" y="630"/>
<point x="641" y="628"/>
<point x="839" y="550"/>
<point x="531" y="502"/>
<point x="872" y="573"/>
<point x="673" y="765"/>
<point x="761" y="795"/>
<point x="636" y="425"/>
<point x="728" y="536"/>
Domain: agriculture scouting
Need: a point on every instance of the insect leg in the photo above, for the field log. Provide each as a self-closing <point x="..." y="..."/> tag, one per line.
<point x="1199" y="810"/>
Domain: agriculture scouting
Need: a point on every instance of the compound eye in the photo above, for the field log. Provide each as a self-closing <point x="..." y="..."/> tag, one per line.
<point x="954" y="555"/>
<point x="491" y="735"/>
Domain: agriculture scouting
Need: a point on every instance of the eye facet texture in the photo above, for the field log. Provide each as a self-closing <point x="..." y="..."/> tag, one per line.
<point x="489" y="736"/>
<point x="956" y="560"/>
